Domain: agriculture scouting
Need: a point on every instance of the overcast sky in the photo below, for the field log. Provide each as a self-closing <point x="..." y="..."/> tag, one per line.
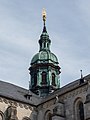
<point x="68" y="25"/>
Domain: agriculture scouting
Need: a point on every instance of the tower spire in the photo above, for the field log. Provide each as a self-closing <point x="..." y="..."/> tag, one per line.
<point x="44" y="19"/>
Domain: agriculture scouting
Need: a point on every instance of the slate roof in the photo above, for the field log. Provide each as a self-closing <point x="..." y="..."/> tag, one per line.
<point x="17" y="93"/>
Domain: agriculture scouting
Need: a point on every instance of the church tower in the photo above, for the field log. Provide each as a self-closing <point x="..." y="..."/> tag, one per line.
<point x="44" y="69"/>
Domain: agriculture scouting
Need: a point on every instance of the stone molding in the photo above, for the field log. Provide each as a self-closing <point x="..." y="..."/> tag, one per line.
<point x="15" y="103"/>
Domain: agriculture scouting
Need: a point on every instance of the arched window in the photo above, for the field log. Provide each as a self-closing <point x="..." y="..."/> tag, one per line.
<point x="44" y="44"/>
<point x="47" y="45"/>
<point x="48" y="115"/>
<point x="44" y="78"/>
<point x="79" y="109"/>
<point x="53" y="79"/>
<point x="35" y="80"/>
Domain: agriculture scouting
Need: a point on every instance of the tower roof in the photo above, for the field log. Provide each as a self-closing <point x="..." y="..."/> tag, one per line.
<point x="44" y="53"/>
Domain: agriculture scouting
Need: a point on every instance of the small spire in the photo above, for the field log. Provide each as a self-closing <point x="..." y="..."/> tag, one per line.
<point x="81" y="74"/>
<point x="44" y="19"/>
<point x="82" y="79"/>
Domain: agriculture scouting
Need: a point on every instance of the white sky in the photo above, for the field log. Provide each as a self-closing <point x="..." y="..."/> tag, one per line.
<point x="68" y="25"/>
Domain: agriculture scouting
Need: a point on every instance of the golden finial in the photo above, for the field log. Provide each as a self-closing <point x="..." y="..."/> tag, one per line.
<point x="44" y="15"/>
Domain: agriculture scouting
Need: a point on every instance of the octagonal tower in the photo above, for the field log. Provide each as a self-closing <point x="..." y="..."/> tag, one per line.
<point x="44" y="68"/>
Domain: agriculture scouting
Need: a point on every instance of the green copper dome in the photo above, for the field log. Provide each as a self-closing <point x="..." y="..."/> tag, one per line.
<point x="44" y="56"/>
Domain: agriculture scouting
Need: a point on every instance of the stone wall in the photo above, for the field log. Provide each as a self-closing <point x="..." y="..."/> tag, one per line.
<point x="66" y="107"/>
<point x="10" y="109"/>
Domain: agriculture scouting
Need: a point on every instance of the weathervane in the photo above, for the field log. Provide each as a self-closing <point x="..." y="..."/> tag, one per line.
<point x="44" y="15"/>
